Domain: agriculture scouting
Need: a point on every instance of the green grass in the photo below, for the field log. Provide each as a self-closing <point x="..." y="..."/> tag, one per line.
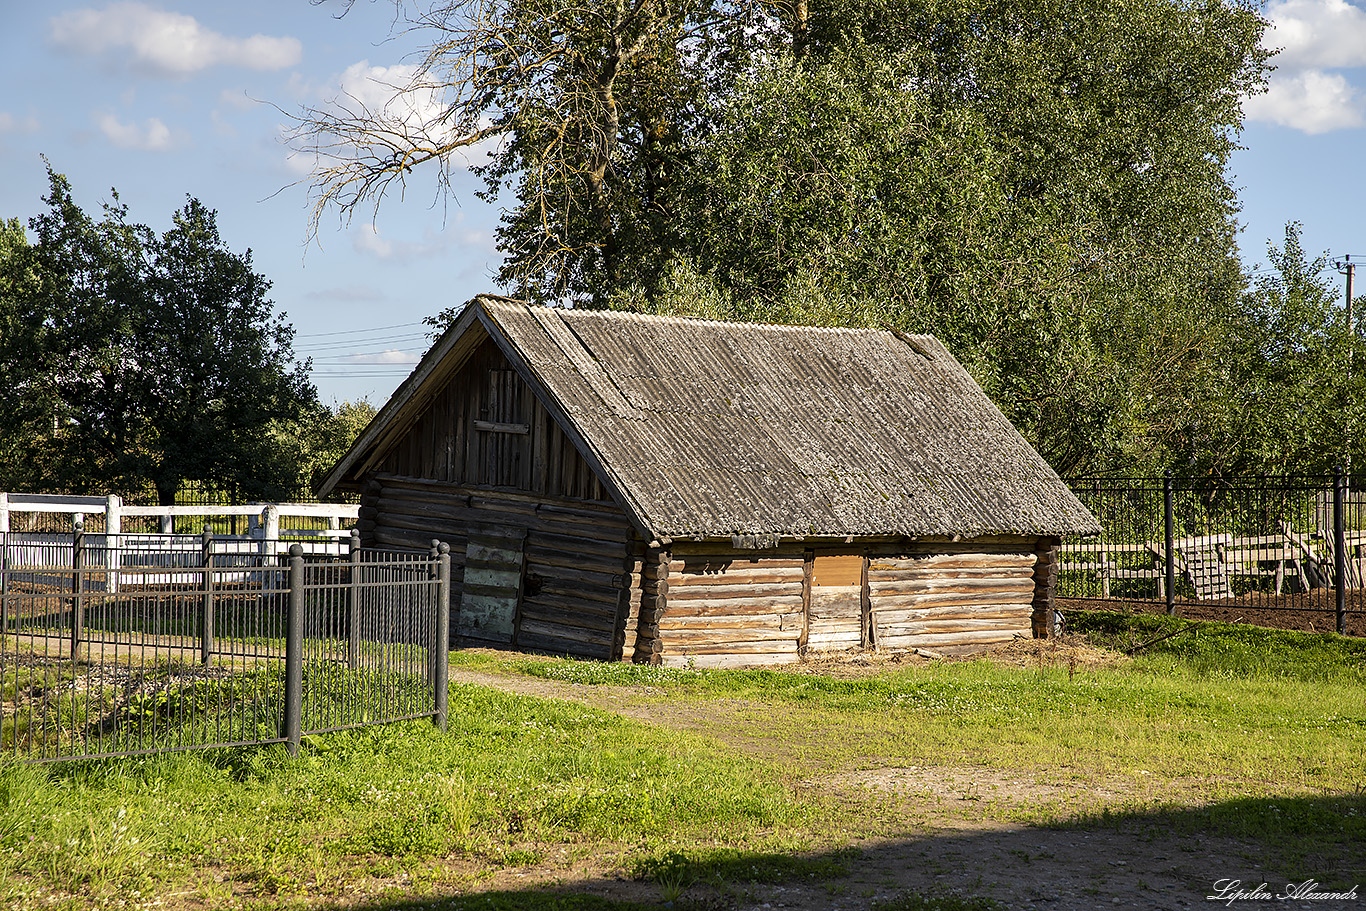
<point x="1199" y="735"/>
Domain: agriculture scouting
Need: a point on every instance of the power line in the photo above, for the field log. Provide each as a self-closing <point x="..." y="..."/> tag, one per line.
<point x="354" y="331"/>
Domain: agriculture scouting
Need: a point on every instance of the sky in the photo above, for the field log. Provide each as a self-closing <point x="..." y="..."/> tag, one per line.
<point x="162" y="100"/>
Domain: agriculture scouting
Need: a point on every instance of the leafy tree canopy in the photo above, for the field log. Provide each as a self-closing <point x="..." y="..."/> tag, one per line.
<point x="1041" y="184"/>
<point x="138" y="357"/>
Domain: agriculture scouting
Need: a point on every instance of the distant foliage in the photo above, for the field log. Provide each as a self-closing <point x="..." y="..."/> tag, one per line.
<point x="131" y="358"/>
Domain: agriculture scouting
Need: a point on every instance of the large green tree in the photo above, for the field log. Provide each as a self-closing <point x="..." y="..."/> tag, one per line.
<point x="145" y="359"/>
<point x="1041" y="184"/>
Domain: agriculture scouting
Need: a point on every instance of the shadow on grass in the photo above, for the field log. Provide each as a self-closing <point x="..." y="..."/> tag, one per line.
<point x="1301" y="848"/>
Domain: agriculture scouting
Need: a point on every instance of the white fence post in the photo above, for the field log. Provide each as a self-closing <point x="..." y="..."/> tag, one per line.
<point x="4" y="512"/>
<point x="113" y="528"/>
<point x="271" y="517"/>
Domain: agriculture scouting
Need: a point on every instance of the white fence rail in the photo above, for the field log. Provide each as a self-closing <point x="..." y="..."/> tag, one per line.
<point x="146" y="559"/>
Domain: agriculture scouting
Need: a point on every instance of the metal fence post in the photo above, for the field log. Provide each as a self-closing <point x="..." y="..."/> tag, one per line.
<point x="206" y="631"/>
<point x="1169" y="543"/>
<point x="1340" y="547"/>
<point x="353" y="599"/>
<point x="294" y="648"/>
<point x="77" y="607"/>
<point x="443" y="633"/>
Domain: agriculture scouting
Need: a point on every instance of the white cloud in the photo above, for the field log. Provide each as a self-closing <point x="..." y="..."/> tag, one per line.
<point x="1311" y="101"/>
<point x="389" y="93"/>
<point x="388" y="356"/>
<point x="167" y="42"/>
<point x="11" y="124"/>
<point x="152" y="136"/>
<point x="1313" y="38"/>
<point x="1316" y="34"/>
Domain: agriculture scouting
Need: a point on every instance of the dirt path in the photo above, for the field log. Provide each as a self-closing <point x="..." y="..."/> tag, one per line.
<point x="940" y="829"/>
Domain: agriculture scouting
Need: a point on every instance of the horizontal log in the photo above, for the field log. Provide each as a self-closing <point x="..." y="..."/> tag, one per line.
<point x="902" y="616"/>
<point x="673" y="621"/>
<point x="599" y="563"/>
<point x="730" y="661"/>
<point x="723" y="580"/>
<point x="748" y="634"/>
<point x="457" y="516"/>
<point x="733" y="607"/>
<point x="570" y="605"/>
<point x="737" y="604"/>
<point x="533" y="618"/>
<point x="569" y="590"/>
<point x="957" y="626"/>
<point x="719" y="567"/>
<point x="730" y="647"/>
<point x="685" y="591"/>
<point x="954" y="561"/>
<point x="429" y="487"/>
<point x="558" y="645"/>
<point x="1024" y="584"/>
<point x="881" y="600"/>
<point x="980" y="638"/>
<point x="536" y="626"/>
<point x="919" y="574"/>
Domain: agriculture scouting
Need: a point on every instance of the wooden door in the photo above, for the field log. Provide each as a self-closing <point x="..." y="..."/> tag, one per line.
<point x="494" y="559"/>
<point x="835" y="608"/>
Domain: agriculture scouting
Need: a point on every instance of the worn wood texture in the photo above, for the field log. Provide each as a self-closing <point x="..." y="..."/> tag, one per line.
<point x="574" y="558"/>
<point x="731" y="610"/>
<point x="486" y="427"/>
<point x="964" y="599"/>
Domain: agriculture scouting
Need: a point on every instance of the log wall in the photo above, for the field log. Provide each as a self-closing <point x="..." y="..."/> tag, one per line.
<point x="723" y="609"/>
<point x="952" y="597"/>
<point x="576" y="556"/>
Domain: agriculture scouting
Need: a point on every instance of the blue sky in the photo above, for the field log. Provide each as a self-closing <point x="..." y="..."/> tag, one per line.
<point x="161" y="99"/>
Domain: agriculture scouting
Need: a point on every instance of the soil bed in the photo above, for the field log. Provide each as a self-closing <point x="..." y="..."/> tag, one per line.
<point x="1313" y="611"/>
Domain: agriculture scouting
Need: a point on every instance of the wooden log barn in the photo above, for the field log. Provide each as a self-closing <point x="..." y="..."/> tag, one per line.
<point x="667" y="490"/>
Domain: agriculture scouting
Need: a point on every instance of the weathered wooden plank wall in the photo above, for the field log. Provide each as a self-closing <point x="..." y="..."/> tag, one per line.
<point x="486" y="428"/>
<point x="952" y="597"/>
<point x="574" y="554"/>
<point x="726" y="610"/>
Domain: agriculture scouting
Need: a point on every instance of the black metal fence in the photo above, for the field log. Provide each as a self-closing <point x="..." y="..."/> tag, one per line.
<point x="135" y="644"/>
<point x="1239" y="546"/>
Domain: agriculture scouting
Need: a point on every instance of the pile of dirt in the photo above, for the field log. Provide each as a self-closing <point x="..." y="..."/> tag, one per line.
<point x="1313" y="611"/>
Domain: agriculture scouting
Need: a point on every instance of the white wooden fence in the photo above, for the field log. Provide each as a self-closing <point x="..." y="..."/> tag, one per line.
<point x="140" y="555"/>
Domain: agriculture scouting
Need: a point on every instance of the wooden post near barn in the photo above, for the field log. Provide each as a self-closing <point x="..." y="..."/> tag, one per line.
<point x="441" y="647"/>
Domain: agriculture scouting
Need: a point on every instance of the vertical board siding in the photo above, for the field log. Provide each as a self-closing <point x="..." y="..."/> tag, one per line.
<point x="726" y="609"/>
<point x="573" y="555"/>
<point x="444" y="443"/>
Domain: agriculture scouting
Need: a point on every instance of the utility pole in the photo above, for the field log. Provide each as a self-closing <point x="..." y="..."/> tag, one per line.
<point x="1346" y="267"/>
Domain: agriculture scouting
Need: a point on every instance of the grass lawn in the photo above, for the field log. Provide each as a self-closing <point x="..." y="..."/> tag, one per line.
<point x="704" y="786"/>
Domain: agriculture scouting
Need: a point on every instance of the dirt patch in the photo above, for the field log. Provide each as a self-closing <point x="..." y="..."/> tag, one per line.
<point x="1313" y="611"/>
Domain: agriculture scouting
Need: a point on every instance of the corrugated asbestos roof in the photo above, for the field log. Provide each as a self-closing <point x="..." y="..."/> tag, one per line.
<point x="712" y="429"/>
